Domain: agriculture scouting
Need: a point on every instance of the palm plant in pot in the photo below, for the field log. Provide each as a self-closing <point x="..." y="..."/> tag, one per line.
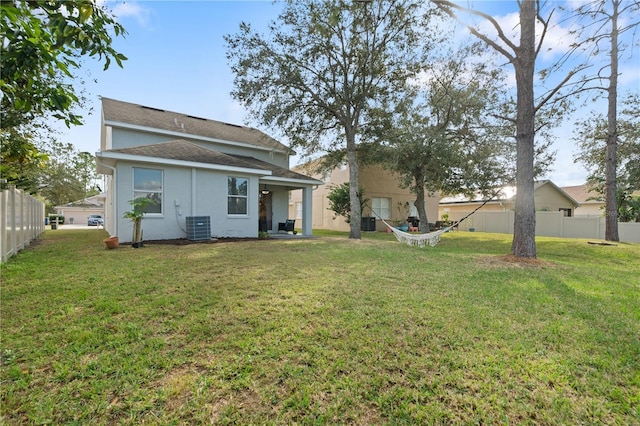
<point x="139" y="207"/>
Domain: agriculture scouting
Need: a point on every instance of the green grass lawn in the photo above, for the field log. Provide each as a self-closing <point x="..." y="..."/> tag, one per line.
<point x="320" y="331"/>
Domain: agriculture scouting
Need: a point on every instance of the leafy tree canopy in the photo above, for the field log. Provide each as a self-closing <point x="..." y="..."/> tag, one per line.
<point x="591" y="140"/>
<point x="339" y="200"/>
<point x="67" y="175"/>
<point x="325" y="66"/>
<point x="42" y="42"/>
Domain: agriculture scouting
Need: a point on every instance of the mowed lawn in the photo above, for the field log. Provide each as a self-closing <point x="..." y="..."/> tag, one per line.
<point x="320" y="331"/>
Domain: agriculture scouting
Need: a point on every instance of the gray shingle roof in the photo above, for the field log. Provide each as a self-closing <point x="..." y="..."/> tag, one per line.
<point x="181" y="150"/>
<point x="185" y="151"/>
<point x="276" y="171"/>
<point x="115" y="111"/>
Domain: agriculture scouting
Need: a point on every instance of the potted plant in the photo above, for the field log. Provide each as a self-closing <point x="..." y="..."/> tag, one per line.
<point x="112" y="242"/>
<point x="445" y="219"/>
<point x="403" y="209"/>
<point x="136" y="215"/>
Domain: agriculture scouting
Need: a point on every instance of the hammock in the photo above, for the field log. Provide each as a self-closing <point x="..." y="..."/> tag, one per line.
<point x="418" y="240"/>
<point x="431" y="238"/>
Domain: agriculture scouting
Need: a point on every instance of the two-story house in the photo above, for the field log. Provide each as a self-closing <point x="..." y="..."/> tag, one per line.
<point x="231" y="179"/>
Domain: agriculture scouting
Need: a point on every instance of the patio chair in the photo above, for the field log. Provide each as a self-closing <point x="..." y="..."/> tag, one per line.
<point x="287" y="226"/>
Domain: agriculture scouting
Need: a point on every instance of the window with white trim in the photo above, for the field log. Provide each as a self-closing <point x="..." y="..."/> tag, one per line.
<point x="298" y="210"/>
<point x="148" y="183"/>
<point x="237" y="195"/>
<point x="381" y="207"/>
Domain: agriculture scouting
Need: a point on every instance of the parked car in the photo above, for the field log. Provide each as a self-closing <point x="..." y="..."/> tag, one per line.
<point x="95" y="220"/>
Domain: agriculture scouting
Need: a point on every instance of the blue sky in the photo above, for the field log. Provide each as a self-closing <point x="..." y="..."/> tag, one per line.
<point x="176" y="61"/>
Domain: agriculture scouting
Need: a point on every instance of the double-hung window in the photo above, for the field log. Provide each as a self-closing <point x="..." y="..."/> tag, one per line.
<point x="147" y="183"/>
<point x="381" y="207"/>
<point x="237" y="198"/>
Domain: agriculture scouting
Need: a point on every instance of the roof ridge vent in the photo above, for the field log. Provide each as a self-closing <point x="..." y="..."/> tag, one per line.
<point x="233" y="125"/>
<point x="197" y="118"/>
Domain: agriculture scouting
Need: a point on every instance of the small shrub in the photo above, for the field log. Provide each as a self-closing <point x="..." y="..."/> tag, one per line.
<point x="57" y="217"/>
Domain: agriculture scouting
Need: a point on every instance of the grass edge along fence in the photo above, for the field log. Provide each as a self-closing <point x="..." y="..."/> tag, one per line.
<point x="21" y="221"/>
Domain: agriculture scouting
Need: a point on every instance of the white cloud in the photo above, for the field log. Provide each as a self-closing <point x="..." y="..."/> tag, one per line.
<point x="132" y="10"/>
<point x="558" y="38"/>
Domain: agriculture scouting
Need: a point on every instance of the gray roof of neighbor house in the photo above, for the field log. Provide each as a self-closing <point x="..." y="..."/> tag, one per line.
<point x="116" y="112"/>
<point x="181" y="150"/>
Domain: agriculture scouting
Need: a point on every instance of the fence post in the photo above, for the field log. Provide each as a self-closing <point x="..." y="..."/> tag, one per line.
<point x="4" y="209"/>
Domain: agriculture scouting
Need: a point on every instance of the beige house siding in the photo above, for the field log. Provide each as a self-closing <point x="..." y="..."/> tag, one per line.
<point x="77" y="213"/>
<point x="548" y="197"/>
<point x="452" y="209"/>
<point x="377" y="183"/>
<point x="588" y="206"/>
<point x="594" y="209"/>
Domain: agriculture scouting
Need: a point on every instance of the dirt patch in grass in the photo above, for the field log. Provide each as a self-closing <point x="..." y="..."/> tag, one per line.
<point x="509" y="260"/>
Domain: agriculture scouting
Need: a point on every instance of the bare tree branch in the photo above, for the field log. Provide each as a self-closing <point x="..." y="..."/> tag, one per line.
<point x="446" y="7"/>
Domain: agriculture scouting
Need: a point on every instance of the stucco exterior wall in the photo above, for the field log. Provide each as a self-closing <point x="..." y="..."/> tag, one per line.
<point x="186" y="192"/>
<point x="460" y="208"/>
<point x="78" y="215"/>
<point x="377" y="183"/>
<point x="547" y="198"/>
<point x="590" y="209"/>
<point x="128" y="138"/>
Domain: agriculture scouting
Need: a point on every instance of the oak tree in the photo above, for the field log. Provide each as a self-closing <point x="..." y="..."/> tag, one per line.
<point x="323" y="68"/>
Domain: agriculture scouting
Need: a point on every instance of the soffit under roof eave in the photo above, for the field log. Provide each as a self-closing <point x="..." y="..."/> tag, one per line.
<point x="282" y="180"/>
<point x="114" y="157"/>
<point x="182" y="135"/>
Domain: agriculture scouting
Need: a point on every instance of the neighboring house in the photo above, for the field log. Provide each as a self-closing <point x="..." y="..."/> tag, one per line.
<point x="588" y="205"/>
<point x="224" y="179"/>
<point x="548" y="197"/>
<point x="386" y="199"/>
<point x="77" y="212"/>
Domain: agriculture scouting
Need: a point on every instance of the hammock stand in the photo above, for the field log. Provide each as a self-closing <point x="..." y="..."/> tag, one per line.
<point x="430" y="238"/>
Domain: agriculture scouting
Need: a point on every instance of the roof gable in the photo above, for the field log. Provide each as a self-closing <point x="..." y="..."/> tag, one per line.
<point x="506" y="193"/>
<point x="124" y="114"/>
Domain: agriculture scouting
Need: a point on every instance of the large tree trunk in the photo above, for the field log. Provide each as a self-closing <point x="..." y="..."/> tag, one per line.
<point x="419" y="203"/>
<point x="354" y="184"/>
<point x="524" y="232"/>
<point x="611" y="165"/>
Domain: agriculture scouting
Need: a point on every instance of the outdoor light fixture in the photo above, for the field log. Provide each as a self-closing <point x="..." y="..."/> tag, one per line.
<point x="264" y="191"/>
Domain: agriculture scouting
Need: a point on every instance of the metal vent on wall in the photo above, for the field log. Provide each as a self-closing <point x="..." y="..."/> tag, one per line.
<point x="198" y="228"/>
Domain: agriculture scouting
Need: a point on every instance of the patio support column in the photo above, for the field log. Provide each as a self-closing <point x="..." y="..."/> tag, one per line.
<point x="307" y="210"/>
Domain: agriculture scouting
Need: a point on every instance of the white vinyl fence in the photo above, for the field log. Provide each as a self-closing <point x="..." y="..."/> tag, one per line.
<point x="21" y="221"/>
<point x="548" y="224"/>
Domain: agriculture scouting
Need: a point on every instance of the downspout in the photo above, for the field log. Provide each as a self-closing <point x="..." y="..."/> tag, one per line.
<point x="114" y="181"/>
<point x="194" y="192"/>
